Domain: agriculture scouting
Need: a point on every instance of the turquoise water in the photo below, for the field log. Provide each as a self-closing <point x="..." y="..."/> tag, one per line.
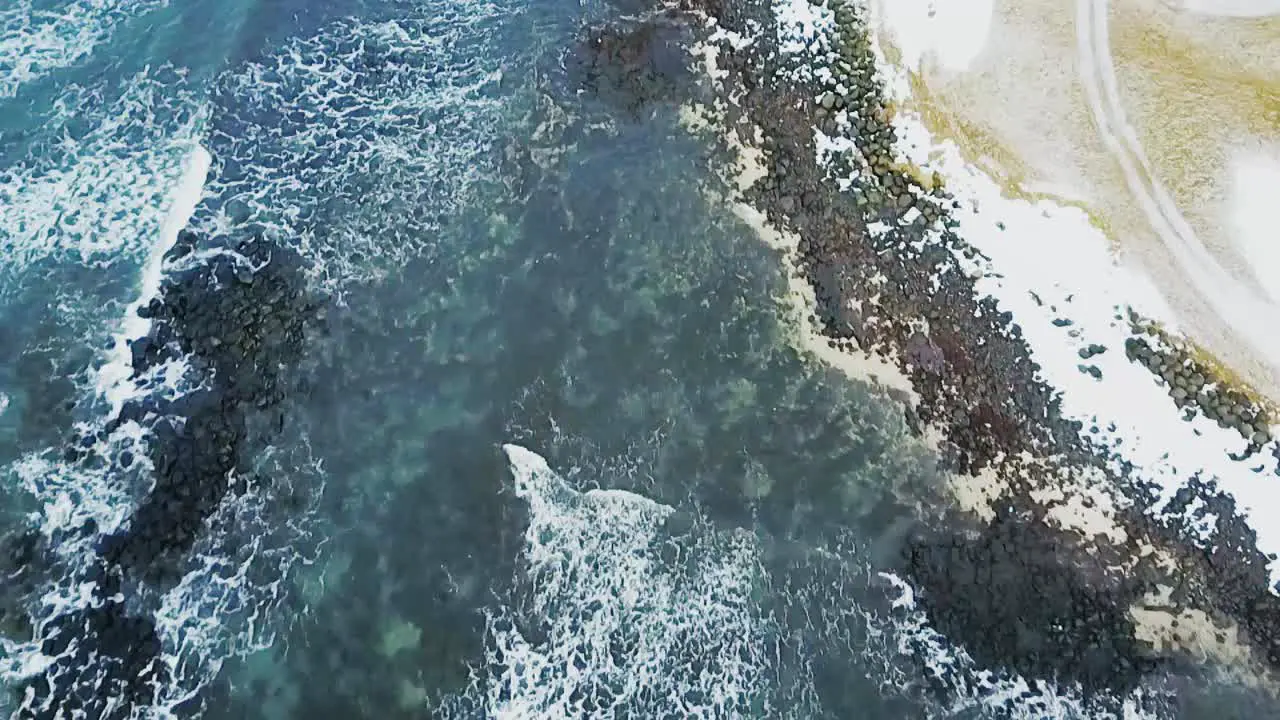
<point x="508" y="272"/>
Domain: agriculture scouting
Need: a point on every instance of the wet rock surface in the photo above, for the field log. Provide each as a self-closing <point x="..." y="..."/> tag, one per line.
<point x="106" y="663"/>
<point x="1229" y="575"/>
<point x="1035" y="616"/>
<point x="237" y="315"/>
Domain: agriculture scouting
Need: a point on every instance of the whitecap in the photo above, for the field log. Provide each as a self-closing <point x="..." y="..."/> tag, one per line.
<point x="93" y="190"/>
<point x="113" y="378"/>
<point x="622" y="627"/>
<point x="353" y="145"/>
<point x="612" y="617"/>
<point x="37" y="41"/>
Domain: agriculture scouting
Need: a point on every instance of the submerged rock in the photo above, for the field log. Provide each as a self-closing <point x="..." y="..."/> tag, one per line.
<point x="636" y="64"/>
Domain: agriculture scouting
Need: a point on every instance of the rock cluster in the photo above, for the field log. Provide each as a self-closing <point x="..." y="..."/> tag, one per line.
<point x="105" y="664"/>
<point x="896" y="292"/>
<point x="1007" y="597"/>
<point x="1196" y="387"/>
<point x="238" y="317"/>
<point x="1230" y="574"/>
<point x="852" y="105"/>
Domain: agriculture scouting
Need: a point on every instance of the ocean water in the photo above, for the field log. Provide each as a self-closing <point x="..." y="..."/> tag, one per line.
<point x="545" y="449"/>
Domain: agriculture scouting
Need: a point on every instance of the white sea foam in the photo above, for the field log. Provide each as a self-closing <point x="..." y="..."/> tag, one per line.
<point x="226" y="604"/>
<point x="71" y="495"/>
<point x="128" y="200"/>
<point x="354" y="144"/>
<point x="1049" y="262"/>
<point x="351" y="145"/>
<point x="94" y="189"/>
<point x="623" y="628"/>
<point x="36" y="41"/>
<point x="113" y="378"/>
<point x="223" y="605"/>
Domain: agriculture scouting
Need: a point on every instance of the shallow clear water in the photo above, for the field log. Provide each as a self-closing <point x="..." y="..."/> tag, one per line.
<point x="511" y="271"/>
<point x="599" y="311"/>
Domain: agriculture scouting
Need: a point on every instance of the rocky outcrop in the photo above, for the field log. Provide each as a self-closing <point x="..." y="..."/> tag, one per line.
<point x="237" y="316"/>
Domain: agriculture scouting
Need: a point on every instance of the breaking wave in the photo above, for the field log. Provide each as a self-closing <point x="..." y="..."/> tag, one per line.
<point x="626" y="607"/>
<point x="92" y="188"/>
<point x="614" y="617"/>
<point x="349" y="147"/>
<point x="88" y="626"/>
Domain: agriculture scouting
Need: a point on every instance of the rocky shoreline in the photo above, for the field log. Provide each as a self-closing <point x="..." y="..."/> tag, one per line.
<point x="1051" y="561"/>
<point x="1040" y="557"/>
<point x="238" y="316"/>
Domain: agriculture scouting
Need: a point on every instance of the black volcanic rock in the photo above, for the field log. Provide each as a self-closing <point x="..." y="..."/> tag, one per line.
<point x="105" y="663"/>
<point x="1011" y="597"/>
<point x="239" y="320"/>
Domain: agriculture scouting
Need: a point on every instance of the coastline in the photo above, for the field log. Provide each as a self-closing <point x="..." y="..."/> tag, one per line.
<point x="1160" y="121"/>
<point x="672" y="361"/>
<point x="872" y="229"/>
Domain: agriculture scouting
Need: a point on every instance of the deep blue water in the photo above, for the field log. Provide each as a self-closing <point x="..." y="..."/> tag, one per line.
<point x="500" y="259"/>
